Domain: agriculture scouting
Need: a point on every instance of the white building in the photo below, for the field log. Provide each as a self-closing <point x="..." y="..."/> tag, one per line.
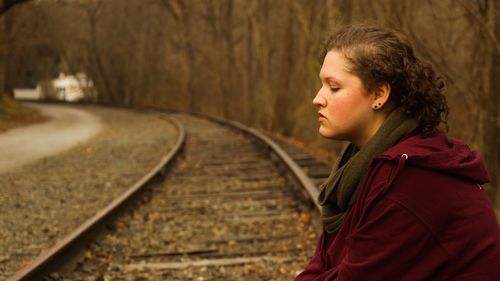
<point x="68" y="88"/>
<point x="28" y="93"/>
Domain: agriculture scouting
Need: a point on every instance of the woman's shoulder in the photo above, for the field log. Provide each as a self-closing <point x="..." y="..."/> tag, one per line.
<point x="442" y="201"/>
<point x="444" y="156"/>
<point x="435" y="178"/>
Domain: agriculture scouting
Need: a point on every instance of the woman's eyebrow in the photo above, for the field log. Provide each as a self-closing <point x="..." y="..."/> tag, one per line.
<point x="328" y="78"/>
<point x="331" y="79"/>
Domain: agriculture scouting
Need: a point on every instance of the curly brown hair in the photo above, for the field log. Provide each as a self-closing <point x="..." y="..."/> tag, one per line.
<point x="379" y="55"/>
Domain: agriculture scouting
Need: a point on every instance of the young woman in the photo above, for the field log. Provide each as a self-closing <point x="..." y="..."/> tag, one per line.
<point x="403" y="202"/>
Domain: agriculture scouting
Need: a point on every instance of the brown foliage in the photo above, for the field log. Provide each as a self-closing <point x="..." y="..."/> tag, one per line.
<point x="255" y="61"/>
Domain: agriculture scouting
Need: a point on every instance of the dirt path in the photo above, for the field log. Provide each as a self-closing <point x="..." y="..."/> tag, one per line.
<point x="65" y="128"/>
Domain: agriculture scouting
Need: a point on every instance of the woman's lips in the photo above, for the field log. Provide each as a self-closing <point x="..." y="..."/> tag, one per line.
<point x="321" y="116"/>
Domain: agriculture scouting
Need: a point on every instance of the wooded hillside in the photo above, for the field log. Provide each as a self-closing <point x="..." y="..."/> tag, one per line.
<point x="254" y="61"/>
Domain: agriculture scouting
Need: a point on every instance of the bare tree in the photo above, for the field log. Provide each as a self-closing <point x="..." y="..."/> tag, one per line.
<point x="5" y="24"/>
<point x="92" y="8"/>
<point x="256" y="61"/>
<point x="182" y="16"/>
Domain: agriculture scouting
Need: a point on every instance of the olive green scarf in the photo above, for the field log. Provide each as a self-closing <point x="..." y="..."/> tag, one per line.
<point x="338" y="193"/>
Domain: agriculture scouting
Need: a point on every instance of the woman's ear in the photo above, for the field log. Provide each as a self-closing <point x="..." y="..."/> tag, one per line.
<point x="381" y="95"/>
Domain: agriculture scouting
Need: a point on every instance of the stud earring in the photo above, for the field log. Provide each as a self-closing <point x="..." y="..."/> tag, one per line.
<point x="376" y="106"/>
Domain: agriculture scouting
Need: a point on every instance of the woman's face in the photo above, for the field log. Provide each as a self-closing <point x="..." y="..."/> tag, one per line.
<point x="344" y="106"/>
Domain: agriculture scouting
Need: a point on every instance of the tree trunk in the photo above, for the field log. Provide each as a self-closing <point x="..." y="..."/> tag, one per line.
<point x="492" y="126"/>
<point x="5" y="5"/>
<point x="7" y="88"/>
<point x="105" y="86"/>
<point x="3" y="56"/>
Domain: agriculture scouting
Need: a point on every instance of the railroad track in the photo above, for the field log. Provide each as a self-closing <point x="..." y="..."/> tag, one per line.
<point x="316" y="169"/>
<point x="229" y="209"/>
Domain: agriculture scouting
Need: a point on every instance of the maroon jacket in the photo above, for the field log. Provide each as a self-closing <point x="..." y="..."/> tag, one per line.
<point x="421" y="214"/>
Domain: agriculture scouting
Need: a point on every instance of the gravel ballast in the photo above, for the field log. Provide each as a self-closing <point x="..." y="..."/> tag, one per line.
<point x="45" y="200"/>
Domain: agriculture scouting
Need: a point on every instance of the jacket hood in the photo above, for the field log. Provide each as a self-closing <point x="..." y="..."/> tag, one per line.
<point x="440" y="153"/>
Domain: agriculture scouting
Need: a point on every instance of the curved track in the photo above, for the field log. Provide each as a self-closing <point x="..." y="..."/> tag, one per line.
<point x="228" y="210"/>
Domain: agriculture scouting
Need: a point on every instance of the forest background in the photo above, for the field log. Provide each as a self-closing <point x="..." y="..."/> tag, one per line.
<point x="254" y="61"/>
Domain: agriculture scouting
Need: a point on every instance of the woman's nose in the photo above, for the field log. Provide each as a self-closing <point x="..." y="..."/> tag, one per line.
<point x="319" y="100"/>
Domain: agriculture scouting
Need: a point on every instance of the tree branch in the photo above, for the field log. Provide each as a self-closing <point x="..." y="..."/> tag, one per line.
<point x="5" y="5"/>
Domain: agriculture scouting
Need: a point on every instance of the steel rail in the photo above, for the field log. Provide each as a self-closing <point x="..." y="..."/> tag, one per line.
<point x="48" y="258"/>
<point x="44" y="260"/>
<point x="298" y="173"/>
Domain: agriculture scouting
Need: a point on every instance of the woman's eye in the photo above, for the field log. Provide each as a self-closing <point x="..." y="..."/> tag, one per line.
<point x="334" y="89"/>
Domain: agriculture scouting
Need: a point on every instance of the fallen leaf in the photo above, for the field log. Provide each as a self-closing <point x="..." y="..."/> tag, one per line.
<point x="24" y="264"/>
<point x="305" y="217"/>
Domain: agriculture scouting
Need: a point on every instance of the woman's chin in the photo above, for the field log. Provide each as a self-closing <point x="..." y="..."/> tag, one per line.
<point x="325" y="133"/>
